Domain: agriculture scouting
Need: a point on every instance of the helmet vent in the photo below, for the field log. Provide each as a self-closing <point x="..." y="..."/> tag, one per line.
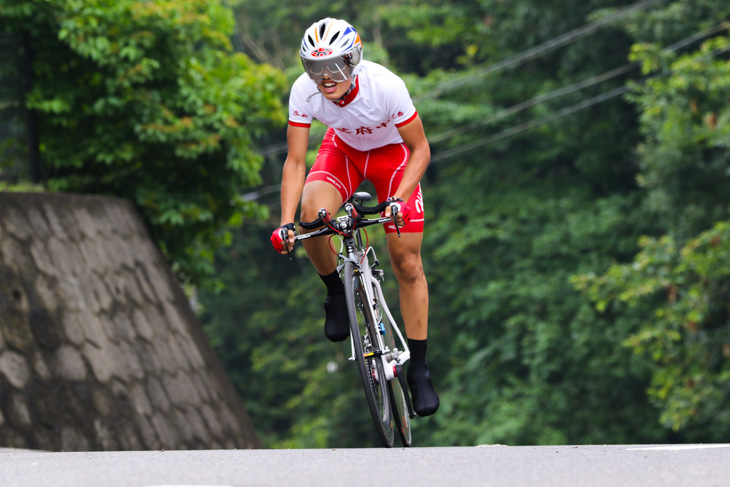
<point x="311" y="41"/>
<point x="321" y="29"/>
<point x="334" y="37"/>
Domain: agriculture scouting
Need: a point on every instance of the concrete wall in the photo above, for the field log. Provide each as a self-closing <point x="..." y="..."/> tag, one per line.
<point x="99" y="348"/>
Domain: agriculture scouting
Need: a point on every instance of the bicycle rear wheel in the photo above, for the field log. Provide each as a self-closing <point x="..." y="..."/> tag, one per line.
<point x="367" y="356"/>
<point x="397" y="395"/>
<point x="397" y="388"/>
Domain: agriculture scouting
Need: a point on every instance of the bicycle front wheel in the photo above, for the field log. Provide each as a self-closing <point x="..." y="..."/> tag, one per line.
<point x="368" y="355"/>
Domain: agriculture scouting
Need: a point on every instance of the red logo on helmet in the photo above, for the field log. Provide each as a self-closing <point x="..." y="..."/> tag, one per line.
<point x="321" y="52"/>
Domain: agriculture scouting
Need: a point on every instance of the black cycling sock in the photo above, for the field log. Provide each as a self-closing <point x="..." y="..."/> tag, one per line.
<point x="333" y="283"/>
<point x="418" y="352"/>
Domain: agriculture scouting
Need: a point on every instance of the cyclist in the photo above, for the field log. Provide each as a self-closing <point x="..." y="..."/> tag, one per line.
<point x="374" y="133"/>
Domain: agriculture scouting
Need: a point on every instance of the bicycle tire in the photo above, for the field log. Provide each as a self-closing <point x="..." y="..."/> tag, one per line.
<point x="397" y="388"/>
<point x="368" y="361"/>
<point x="402" y="418"/>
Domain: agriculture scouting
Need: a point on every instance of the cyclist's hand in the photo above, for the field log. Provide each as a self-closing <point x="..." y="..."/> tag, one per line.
<point x="402" y="211"/>
<point x="283" y="238"/>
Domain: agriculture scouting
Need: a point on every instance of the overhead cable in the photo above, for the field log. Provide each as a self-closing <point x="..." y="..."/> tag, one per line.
<point x="509" y="63"/>
<point x="443" y="155"/>
<point x="540" y="99"/>
<point x="548" y="46"/>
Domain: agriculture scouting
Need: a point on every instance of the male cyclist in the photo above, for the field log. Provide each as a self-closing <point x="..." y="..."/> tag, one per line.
<point x="374" y="133"/>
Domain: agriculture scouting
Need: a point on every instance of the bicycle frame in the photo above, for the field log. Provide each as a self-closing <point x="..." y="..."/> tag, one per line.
<point x="359" y="254"/>
<point x="354" y="250"/>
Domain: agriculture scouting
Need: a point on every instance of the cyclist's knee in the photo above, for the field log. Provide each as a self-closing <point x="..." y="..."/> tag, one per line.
<point x="318" y="195"/>
<point x="408" y="268"/>
<point x="309" y="209"/>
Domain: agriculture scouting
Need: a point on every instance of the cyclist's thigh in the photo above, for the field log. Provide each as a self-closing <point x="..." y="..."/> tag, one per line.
<point x="334" y="167"/>
<point x="385" y="169"/>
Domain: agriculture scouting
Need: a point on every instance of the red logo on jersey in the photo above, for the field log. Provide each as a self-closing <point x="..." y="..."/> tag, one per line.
<point x="321" y="52"/>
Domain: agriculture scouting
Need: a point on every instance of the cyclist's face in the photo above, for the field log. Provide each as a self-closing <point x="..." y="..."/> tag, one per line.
<point x="333" y="90"/>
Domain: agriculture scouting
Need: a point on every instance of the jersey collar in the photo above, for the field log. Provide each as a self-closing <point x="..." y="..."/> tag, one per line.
<point x="349" y="96"/>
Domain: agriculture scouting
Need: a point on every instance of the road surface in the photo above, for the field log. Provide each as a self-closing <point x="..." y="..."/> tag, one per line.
<point x="482" y="466"/>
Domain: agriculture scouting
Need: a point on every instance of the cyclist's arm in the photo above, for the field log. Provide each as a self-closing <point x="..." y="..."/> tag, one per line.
<point x="294" y="172"/>
<point x="415" y="139"/>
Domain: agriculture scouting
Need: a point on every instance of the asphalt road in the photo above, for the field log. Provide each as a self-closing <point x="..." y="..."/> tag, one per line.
<point x="483" y="466"/>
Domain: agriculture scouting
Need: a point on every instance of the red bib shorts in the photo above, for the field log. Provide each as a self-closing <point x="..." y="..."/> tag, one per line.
<point x="346" y="168"/>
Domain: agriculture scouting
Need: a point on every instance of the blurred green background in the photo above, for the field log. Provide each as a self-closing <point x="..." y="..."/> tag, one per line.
<point x="577" y="242"/>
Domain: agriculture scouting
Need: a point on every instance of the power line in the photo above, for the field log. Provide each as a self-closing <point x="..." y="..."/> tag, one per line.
<point x="441" y="156"/>
<point x="540" y="99"/>
<point x="534" y="102"/>
<point x="537" y="101"/>
<point x="509" y="63"/>
<point x="541" y="121"/>
<point x="529" y="125"/>
<point x="548" y="46"/>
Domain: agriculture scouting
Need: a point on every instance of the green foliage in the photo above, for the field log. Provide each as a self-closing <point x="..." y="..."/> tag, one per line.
<point x="685" y="118"/>
<point x="21" y="188"/>
<point x="148" y="101"/>
<point x="681" y="296"/>
<point x="676" y="288"/>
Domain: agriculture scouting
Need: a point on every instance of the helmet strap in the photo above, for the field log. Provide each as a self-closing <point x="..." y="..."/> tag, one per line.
<point x="342" y="101"/>
<point x="349" y="90"/>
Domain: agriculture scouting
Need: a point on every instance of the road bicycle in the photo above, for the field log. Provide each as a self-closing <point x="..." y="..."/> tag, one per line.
<point x="377" y="344"/>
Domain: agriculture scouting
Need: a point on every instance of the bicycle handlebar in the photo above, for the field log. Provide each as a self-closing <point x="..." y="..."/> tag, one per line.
<point x="360" y="211"/>
<point x="355" y="215"/>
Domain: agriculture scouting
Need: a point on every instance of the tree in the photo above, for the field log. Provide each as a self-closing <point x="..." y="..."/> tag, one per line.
<point x="676" y="289"/>
<point x="535" y="178"/>
<point x="148" y="101"/>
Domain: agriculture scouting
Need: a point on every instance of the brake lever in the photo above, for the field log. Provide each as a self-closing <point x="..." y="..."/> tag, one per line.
<point x="393" y="213"/>
<point x="285" y="237"/>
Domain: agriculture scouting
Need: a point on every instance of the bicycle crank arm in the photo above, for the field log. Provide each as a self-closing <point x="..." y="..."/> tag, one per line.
<point x="406" y="392"/>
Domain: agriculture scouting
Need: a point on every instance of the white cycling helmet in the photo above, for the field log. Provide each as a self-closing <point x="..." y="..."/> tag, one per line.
<point x="332" y="47"/>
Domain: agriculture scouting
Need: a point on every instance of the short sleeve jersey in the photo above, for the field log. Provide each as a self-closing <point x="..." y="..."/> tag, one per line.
<point x="369" y="116"/>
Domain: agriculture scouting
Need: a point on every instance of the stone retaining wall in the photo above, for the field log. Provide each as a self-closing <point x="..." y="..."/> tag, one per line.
<point x="99" y="348"/>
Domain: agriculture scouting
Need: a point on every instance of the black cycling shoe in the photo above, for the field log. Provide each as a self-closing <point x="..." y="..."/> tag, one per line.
<point x="337" y="323"/>
<point x="425" y="398"/>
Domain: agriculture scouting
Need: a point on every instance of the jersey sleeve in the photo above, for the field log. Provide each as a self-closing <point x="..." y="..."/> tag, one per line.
<point x="399" y="103"/>
<point x="299" y="115"/>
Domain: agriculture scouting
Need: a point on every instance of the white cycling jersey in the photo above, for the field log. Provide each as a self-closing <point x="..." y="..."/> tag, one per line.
<point x="367" y="118"/>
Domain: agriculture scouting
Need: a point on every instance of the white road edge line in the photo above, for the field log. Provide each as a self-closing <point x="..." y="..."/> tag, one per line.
<point x="186" y="485"/>
<point x="679" y="447"/>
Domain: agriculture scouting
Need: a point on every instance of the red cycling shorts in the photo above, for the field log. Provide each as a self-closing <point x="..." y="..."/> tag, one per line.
<point x="346" y="168"/>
